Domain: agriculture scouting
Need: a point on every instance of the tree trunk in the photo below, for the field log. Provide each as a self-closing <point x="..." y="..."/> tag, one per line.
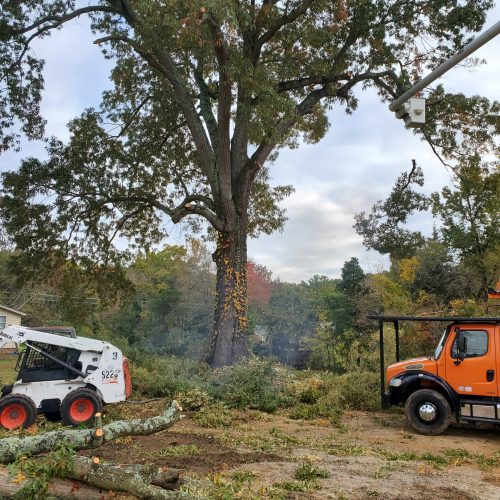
<point x="83" y="439"/>
<point x="230" y="335"/>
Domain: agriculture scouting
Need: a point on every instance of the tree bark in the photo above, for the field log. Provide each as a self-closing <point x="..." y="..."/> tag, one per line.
<point x="230" y="336"/>
<point x="142" y="481"/>
<point x="59" y="488"/>
<point x="103" y="474"/>
<point x="82" y="439"/>
<point x="91" y="480"/>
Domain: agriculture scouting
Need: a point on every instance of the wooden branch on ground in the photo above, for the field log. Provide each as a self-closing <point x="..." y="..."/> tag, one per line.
<point x="59" y="488"/>
<point x="142" y="481"/>
<point x="82" y="439"/>
<point x="90" y="479"/>
<point x="99" y="474"/>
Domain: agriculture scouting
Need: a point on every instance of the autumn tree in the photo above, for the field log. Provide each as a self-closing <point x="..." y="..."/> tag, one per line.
<point x="260" y="285"/>
<point x="205" y="93"/>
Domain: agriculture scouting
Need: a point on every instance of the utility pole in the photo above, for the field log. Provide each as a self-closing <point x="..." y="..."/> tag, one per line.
<point x="412" y="109"/>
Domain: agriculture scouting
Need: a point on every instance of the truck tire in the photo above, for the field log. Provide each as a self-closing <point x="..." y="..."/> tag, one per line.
<point x="428" y="412"/>
<point x="17" y="410"/>
<point x="80" y="406"/>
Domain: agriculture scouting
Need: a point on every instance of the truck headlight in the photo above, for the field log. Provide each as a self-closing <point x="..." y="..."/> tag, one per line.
<point x="395" y="382"/>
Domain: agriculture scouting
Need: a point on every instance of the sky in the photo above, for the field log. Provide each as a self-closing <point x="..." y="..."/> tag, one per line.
<point x="354" y="165"/>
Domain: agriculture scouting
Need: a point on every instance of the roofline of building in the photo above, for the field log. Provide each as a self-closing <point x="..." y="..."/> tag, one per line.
<point x="12" y="310"/>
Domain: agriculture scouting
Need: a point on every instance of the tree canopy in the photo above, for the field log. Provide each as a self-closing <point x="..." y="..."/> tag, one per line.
<point x="205" y="93"/>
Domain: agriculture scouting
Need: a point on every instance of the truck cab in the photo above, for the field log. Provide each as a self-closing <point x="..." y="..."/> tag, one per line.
<point x="459" y="381"/>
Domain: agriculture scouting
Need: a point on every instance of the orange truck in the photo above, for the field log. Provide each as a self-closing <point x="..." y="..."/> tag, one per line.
<point x="459" y="381"/>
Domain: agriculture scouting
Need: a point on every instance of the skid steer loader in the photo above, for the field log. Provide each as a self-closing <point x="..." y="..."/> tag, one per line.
<point x="61" y="376"/>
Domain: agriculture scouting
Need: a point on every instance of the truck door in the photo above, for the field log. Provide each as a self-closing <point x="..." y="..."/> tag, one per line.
<point x="477" y="374"/>
<point x="497" y="370"/>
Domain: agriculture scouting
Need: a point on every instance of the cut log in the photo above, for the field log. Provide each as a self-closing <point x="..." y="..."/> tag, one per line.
<point x="90" y="479"/>
<point x="59" y="488"/>
<point x="143" y="481"/>
<point x="164" y="477"/>
<point x="82" y="439"/>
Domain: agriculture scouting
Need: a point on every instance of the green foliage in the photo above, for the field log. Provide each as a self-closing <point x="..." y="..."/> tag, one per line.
<point x="193" y="399"/>
<point x="203" y="95"/>
<point x="470" y="215"/>
<point x="39" y="473"/>
<point x="333" y="394"/>
<point x="214" y="415"/>
<point x="155" y="376"/>
<point x="170" y="309"/>
<point x="294" y="486"/>
<point x="308" y="472"/>
<point x="382" y="229"/>
<point x="255" y="384"/>
<point x="356" y="391"/>
<point x="243" y="476"/>
<point x="394" y="297"/>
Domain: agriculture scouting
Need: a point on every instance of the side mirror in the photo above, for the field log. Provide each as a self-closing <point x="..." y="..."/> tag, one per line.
<point x="461" y="345"/>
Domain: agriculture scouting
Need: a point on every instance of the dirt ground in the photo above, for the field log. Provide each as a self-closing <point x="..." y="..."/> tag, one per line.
<point x="370" y="454"/>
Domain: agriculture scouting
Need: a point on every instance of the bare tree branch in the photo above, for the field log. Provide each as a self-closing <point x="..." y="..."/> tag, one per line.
<point x="282" y="21"/>
<point x="58" y="20"/>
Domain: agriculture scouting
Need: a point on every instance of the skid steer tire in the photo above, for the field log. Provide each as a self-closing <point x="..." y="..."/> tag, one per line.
<point x="428" y="412"/>
<point x="17" y="410"/>
<point x="80" y="406"/>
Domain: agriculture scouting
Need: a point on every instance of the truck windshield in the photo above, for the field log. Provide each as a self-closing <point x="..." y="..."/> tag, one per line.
<point x="439" y="348"/>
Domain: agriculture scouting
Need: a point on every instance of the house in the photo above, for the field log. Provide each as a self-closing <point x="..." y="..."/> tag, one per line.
<point x="9" y="316"/>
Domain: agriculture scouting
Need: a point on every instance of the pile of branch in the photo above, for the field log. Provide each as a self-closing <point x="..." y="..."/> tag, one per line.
<point x="88" y="477"/>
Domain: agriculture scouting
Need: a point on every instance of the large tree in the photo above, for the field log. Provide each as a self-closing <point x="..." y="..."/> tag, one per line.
<point x="205" y="93"/>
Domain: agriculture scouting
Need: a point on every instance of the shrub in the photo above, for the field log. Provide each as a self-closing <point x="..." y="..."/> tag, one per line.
<point x="215" y="415"/>
<point x="304" y="412"/>
<point x="359" y="391"/>
<point x="253" y="384"/>
<point x="165" y="377"/>
<point x="307" y="472"/>
<point x="193" y="399"/>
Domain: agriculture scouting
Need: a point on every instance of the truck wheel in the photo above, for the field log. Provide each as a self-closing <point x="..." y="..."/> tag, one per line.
<point x="17" y="410"/>
<point x="80" y="406"/>
<point x="428" y="412"/>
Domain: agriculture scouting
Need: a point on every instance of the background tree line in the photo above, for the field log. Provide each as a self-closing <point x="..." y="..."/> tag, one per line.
<point x="166" y="306"/>
<point x="204" y="94"/>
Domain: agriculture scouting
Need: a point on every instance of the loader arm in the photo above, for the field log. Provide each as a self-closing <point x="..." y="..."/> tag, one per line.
<point x="22" y="335"/>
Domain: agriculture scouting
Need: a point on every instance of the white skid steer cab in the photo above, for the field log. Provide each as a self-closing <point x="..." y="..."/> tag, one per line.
<point x="62" y="377"/>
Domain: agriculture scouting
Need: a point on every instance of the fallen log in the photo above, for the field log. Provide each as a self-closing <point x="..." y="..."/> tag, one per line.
<point x="83" y="439"/>
<point x="142" y="481"/>
<point x="90" y="479"/>
<point x="165" y="477"/>
<point x="58" y="488"/>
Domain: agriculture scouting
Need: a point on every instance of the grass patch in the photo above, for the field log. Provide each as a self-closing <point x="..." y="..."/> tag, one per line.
<point x="308" y="472"/>
<point x="8" y="373"/>
<point x="347" y="449"/>
<point x="291" y="486"/>
<point x="243" y="476"/>
<point x="180" y="451"/>
<point x="215" y="415"/>
<point x="282" y="437"/>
